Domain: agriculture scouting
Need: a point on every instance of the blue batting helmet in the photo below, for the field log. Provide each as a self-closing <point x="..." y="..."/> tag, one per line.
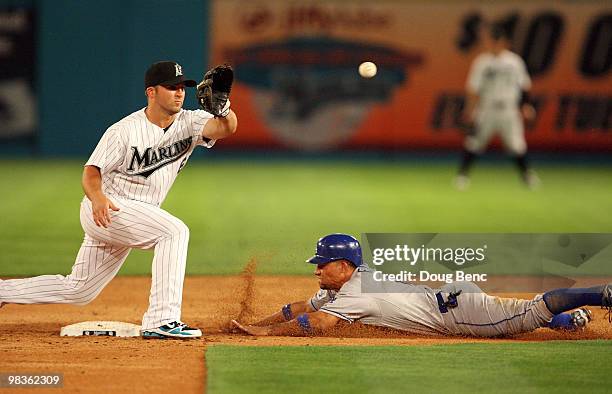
<point x="335" y="247"/>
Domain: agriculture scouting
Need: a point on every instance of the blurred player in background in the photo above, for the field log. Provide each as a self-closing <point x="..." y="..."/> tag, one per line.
<point x="497" y="102"/>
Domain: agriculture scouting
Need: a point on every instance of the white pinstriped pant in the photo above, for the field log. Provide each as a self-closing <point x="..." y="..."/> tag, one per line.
<point x="136" y="225"/>
<point x="507" y="123"/>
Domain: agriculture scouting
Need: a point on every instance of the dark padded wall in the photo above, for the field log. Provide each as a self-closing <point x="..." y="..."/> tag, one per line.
<point x="92" y="58"/>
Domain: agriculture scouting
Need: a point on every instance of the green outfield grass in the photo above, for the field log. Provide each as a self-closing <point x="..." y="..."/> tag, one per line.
<point x="544" y="367"/>
<point x="275" y="210"/>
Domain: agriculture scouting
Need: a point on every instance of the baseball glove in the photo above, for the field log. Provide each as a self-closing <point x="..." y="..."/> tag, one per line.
<point x="213" y="92"/>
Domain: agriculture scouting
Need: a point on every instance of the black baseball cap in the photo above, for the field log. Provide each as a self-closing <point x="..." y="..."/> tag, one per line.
<point x="166" y="73"/>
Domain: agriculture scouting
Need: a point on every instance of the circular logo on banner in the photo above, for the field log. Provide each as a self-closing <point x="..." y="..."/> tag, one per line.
<point x="310" y="129"/>
<point x="308" y="90"/>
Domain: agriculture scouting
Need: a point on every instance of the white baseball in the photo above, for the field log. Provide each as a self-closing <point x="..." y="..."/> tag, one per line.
<point x="367" y="69"/>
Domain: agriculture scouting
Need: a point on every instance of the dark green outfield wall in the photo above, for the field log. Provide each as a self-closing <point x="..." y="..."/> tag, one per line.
<point x="92" y="57"/>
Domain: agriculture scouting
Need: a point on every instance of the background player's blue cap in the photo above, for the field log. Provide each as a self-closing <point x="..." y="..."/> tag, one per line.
<point x="335" y="247"/>
<point x="166" y="73"/>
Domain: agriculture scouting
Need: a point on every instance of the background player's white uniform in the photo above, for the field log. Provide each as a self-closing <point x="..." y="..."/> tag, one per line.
<point x="139" y="162"/>
<point x="498" y="81"/>
<point x="416" y="309"/>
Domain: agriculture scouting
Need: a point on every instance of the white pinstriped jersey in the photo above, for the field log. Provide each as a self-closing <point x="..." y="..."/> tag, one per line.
<point x="498" y="79"/>
<point x="139" y="161"/>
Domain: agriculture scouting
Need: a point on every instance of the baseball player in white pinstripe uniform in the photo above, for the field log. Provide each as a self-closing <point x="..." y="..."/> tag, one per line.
<point x="497" y="101"/>
<point x="125" y="181"/>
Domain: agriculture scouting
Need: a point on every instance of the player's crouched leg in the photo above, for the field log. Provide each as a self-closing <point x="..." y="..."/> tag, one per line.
<point x="47" y="289"/>
<point x="94" y="267"/>
<point x="164" y="313"/>
<point x="179" y="231"/>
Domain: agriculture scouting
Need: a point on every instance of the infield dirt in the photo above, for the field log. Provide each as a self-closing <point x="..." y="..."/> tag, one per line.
<point x="30" y="341"/>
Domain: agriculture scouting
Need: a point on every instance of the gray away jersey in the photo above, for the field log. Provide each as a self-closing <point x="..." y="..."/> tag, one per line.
<point x="139" y="161"/>
<point x="396" y="305"/>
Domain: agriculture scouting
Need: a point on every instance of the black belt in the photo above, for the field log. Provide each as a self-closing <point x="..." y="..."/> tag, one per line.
<point x="450" y="303"/>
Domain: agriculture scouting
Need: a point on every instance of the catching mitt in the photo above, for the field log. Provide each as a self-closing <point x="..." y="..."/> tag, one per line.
<point x="213" y="92"/>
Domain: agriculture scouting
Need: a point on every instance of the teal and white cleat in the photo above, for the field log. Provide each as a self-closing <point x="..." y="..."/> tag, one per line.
<point x="175" y="329"/>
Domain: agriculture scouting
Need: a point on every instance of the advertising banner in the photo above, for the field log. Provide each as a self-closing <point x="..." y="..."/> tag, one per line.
<point x="298" y="86"/>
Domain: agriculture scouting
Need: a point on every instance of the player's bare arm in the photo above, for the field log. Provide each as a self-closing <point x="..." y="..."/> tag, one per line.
<point x="527" y="109"/>
<point x="305" y="324"/>
<point x="287" y="312"/>
<point x="221" y="127"/>
<point x="92" y="186"/>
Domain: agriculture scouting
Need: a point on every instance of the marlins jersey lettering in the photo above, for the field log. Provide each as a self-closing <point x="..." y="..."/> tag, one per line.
<point x="498" y="80"/>
<point x="140" y="161"/>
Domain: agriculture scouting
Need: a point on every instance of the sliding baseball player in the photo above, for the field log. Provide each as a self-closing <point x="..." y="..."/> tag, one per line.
<point x="459" y="308"/>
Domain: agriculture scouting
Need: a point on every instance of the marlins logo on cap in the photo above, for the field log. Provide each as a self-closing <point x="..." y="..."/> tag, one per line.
<point x="166" y="73"/>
